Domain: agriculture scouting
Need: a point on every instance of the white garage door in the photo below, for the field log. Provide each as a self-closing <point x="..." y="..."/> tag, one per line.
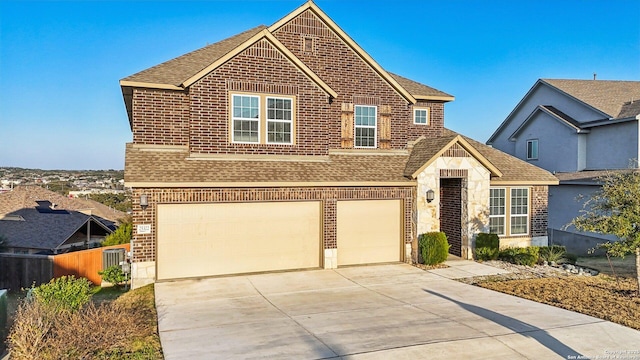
<point x="214" y="239"/>
<point x="369" y="231"/>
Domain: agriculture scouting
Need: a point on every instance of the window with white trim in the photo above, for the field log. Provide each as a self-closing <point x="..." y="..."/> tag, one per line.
<point x="246" y="119"/>
<point x="509" y="211"/>
<point x="365" y="126"/>
<point x="279" y="120"/>
<point x="421" y="116"/>
<point x="532" y="149"/>
<point x="497" y="211"/>
<point x="519" y="211"/>
<point x="262" y="119"/>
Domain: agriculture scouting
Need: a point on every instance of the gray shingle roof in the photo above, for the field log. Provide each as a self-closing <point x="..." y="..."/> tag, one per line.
<point x="608" y="96"/>
<point x="630" y="109"/>
<point x="588" y="176"/>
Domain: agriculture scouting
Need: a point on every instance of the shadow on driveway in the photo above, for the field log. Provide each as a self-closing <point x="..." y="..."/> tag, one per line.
<point x="515" y="325"/>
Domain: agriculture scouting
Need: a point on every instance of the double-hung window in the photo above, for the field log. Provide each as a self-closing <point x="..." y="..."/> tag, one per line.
<point x="246" y="119"/>
<point x="497" y="211"/>
<point x="279" y="120"/>
<point x="532" y="149"/>
<point x="519" y="211"/>
<point x="365" y="126"/>
<point x="421" y="116"/>
<point x="262" y="119"/>
<point x="509" y="211"/>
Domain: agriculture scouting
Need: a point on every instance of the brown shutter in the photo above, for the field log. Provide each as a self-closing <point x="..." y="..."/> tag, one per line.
<point x="347" y="125"/>
<point x="385" y="127"/>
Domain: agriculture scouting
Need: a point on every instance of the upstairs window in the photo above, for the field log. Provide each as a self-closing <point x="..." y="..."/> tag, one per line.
<point x="365" y="126"/>
<point x="246" y="119"/>
<point x="262" y="119"/>
<point x="421" y="116"/>
<point x="279" y="120"/>
<point x="532" y="149"/>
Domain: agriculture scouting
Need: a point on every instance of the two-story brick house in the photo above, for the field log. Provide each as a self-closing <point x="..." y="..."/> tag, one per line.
<point x="288" y="147"/>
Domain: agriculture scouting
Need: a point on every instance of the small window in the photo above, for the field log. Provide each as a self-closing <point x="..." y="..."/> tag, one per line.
<point x="519" y="211"/>
<point x="421" y="116"/>
<point x="532" y="149"/>
<point x="246" y="118"/>
<point x="365" y="124"/>
<point x="279" y="120"/>
<point x="497" y="213"/>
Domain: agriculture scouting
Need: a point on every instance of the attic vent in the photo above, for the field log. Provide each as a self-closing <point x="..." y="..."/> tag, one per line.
<point x="11" y="218"/>
<point x="453" y="173"/>
<point x="456" y="151"/>
<point x="308" y="45"/>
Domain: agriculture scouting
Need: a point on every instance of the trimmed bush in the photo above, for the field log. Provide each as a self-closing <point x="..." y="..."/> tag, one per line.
<point x="487" y="247"/>
<point x="113" y="274"/>
<point x="554" y="253"/>
<point x="65" y="293"/>
<point x="434" y="247"/>
<point x="520" y="255"/>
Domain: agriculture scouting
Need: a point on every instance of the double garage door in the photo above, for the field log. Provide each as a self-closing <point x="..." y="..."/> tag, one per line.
<point x="195" y="240"/>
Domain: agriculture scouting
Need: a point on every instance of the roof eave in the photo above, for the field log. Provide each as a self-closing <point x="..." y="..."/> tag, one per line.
<point x="434" y="98"/>
<point x="541" y="108"/>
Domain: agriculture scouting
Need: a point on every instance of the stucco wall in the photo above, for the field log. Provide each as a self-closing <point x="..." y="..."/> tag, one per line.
<point x="612" y="146"/>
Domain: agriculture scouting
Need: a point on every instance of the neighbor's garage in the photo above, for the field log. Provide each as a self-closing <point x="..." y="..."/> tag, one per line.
<point x="197" y="240"/>
<point x="369" y="231"/>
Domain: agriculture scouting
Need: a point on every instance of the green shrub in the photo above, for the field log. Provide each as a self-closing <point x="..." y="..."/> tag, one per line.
<point x="64" y="293"/>
<point x="434" y="247"/>
<point x="571" y="258"/>
<point x="113" y="274"/>
<point x="487" y="247"/>
<point x="122" y="235"/>
<point x="553" y="253"/>
<point x="520" y="255"/>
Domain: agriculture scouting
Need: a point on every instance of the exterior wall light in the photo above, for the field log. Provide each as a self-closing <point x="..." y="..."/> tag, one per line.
<point x="430" y="195"/>
<point x="144" y="203"/>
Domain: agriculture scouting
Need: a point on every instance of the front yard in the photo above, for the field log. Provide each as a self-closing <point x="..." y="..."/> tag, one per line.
<point x="603" y="296"/>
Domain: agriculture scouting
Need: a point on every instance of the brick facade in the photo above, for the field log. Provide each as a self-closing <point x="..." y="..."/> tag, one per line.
<point x="539" y="210"/>
<point x="451" y="222"/>
<point x="144" y="244"/>
<point x="160" y="117"/>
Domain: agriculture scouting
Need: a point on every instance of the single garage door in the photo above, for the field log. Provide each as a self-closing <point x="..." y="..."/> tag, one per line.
<point x="197" y="240"/>
<point x="369" y="231"/>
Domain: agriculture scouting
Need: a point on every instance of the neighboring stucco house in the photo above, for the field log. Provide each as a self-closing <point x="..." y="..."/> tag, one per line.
<point x="580" y="130"/>
<point x="34" y="220"/>
<point x="288" y="147"/>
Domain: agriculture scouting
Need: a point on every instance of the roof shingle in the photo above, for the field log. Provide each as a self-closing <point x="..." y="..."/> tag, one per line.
<point x="608" y="96"/>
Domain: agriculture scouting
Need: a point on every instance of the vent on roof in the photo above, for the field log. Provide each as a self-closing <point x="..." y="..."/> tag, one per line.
<point x="11" y="218"/>
<point x="46" y="207"/>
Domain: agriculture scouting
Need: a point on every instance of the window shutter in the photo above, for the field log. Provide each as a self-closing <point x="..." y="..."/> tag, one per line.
<point x="385" y="126"/>
<point x="347" y="125"/>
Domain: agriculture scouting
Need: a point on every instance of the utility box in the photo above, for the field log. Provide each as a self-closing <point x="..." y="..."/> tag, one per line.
<point x="111" y="257"/>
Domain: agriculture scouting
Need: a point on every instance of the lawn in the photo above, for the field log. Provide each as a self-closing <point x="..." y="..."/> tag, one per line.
<point x="604" y="296"/>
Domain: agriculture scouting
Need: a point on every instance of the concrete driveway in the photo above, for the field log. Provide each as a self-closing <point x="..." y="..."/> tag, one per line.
<point x="372" y="312"/>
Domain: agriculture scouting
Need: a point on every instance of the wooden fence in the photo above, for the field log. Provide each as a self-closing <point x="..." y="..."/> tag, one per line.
<point x="19" y="271"/>
<point x="85" y="263"/>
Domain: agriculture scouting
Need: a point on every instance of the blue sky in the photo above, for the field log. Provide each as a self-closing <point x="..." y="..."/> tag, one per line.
<point x="60" y="62"/>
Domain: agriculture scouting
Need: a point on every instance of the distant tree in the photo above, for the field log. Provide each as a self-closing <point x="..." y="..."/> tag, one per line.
<point x="122" y="235"/>
<point x="615" y="210"/>
<point x="120" y="201"/>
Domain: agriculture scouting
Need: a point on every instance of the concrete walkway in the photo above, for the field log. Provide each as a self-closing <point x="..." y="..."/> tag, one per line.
<point x="459" y="269"/>
<point x="372" y="312"/>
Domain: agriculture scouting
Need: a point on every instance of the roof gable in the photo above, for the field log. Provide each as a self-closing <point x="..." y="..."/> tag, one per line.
<point x="309" y="5"/>
<point x="555" y="114"/>
<point x="224" y="50"/>
<point x="426" y="151"/>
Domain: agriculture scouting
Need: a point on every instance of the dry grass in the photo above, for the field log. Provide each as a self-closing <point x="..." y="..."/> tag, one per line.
<point x="123" y="328"/>
<point x="622" y="267"/>
<point x="599" y="296"/>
